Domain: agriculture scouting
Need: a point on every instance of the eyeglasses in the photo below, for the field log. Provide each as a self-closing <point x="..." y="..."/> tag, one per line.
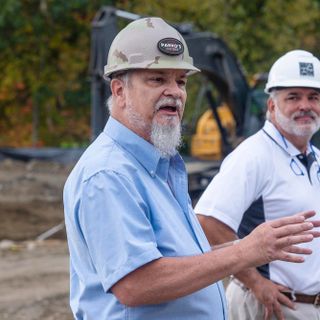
<point x="296" y="168"/>
<point x="296" y="165"/>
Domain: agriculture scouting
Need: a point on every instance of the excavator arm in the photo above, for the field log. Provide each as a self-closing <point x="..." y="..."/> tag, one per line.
<point x="218" y="65"/>
<point x="209" y="52"/>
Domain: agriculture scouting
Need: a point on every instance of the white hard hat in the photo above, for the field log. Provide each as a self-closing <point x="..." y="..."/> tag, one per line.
<point x="297" y="68"/>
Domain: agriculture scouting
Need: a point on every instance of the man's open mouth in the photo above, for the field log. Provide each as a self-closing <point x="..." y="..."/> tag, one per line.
<point x="168" y="108"/>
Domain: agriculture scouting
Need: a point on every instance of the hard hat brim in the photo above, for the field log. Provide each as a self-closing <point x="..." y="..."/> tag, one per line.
<point x="293" y="84"/>
<point x="151" y="65"/>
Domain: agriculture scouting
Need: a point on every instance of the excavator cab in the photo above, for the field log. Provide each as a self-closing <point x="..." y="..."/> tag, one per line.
<point x="207" y="143"/>
<point x="211" y="55"/>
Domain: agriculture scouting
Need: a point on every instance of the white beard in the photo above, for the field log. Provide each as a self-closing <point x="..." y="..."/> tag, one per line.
<point x="166" y="138"/>
<point x="136" y="120"/>
<point x="301" y="130"/>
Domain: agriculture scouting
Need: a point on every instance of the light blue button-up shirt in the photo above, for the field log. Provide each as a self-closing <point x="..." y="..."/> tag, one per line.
<point x="124" y="207"/>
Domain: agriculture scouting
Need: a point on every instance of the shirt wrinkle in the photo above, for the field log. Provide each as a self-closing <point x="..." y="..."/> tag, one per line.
<point x="143" y="151"/>
<point x="130" y="217"/>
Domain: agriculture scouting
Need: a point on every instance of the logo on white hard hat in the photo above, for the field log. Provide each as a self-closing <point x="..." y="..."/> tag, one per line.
<point x="306" y="69"/>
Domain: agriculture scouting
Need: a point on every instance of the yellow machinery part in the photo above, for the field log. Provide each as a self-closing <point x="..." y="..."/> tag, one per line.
<point x="206" y="143"/>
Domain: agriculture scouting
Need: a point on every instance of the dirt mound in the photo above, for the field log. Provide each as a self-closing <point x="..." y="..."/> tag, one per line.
<point x="34" y="274"/>
<point x="34" y="280"/>
<point x="30" y="198"/>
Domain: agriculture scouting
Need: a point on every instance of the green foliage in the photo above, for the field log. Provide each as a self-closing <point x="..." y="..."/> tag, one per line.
<point x="257" y="31"/>
<point x="45" y="46"/>
<point x="44" y="62"/>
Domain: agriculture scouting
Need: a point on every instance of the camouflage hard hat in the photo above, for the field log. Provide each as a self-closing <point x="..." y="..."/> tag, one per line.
<point x="148" y="43"/>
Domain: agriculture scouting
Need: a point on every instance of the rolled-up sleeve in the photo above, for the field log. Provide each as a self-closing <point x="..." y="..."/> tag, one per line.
<point x="114" y="221"/>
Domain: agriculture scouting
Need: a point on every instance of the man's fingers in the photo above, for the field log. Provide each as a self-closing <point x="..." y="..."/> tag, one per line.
<point x="297" y="218"/>
<point x="285" y="256"/>
<point x="292" y="229"/>
<point x="286" y="301"/>
<point x="291" y="253"/>
<point x="267" y="314"/>
<point x="281" y="287"/>
<point x="297" y="250"/>
<point x="316" y="234"/>
<point x="306" y="214"/>
<point x="316" y="223"/>
<point x="277" y="311"/>
<point x="287" y="220"/>
<point x="293" y="239"/>
<point x="268" y="311"/>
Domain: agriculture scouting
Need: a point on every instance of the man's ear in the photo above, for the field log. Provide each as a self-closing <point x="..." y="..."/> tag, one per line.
<point x="270" y="105"/>
<point x="118" y="92"/>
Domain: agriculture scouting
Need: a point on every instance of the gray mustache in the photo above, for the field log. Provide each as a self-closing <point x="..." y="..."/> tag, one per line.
<point x="305" y="113"/>
<point x="169" y="102"/>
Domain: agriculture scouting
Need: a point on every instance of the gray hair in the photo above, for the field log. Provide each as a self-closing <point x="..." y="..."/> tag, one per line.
<point x="125" y="77"/>
<point x="274" y="96"/>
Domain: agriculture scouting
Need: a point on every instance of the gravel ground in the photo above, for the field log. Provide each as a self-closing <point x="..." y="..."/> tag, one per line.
<point x="34" y="275"/>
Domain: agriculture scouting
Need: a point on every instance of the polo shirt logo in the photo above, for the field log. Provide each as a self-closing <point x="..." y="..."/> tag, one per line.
<point x="306" y="69"/>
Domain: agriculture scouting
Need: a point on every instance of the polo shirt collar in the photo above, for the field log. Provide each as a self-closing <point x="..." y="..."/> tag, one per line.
<point x="281" y="141"/>
<point x="139" y="148"/>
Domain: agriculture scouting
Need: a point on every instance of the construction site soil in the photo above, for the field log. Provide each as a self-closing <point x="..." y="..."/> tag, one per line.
<point x="34" y="259"/>
<point x="34" y="276"/>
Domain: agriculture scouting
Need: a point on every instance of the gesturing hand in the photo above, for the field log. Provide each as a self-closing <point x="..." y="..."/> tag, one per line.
<point x="277" y="239"/>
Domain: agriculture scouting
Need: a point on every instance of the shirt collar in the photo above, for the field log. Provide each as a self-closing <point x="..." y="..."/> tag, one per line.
<point x="281" y="141"/>
<point x="139" y="148"/>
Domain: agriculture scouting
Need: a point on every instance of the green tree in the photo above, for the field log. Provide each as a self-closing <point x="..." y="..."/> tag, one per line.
<point x="257" y="31"/>
<point x="44" y="55"/>
<point x="45" y="47"/>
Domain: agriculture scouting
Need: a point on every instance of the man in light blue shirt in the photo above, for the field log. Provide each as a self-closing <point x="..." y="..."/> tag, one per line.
<point x="137" y="250"/>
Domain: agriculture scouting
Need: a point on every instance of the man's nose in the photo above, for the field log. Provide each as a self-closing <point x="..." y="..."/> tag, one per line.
<point x="305" y="104"/>
<point x="174" y="90"/>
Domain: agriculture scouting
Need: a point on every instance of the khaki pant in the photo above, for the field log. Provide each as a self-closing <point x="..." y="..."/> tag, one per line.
<point x="242" y="305"/>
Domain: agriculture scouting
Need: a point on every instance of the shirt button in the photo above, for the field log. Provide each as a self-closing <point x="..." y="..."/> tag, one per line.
<point x="152" y="173"/>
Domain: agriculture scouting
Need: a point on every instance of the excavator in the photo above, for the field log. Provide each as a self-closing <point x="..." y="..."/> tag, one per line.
<point x="235" y="109"/>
